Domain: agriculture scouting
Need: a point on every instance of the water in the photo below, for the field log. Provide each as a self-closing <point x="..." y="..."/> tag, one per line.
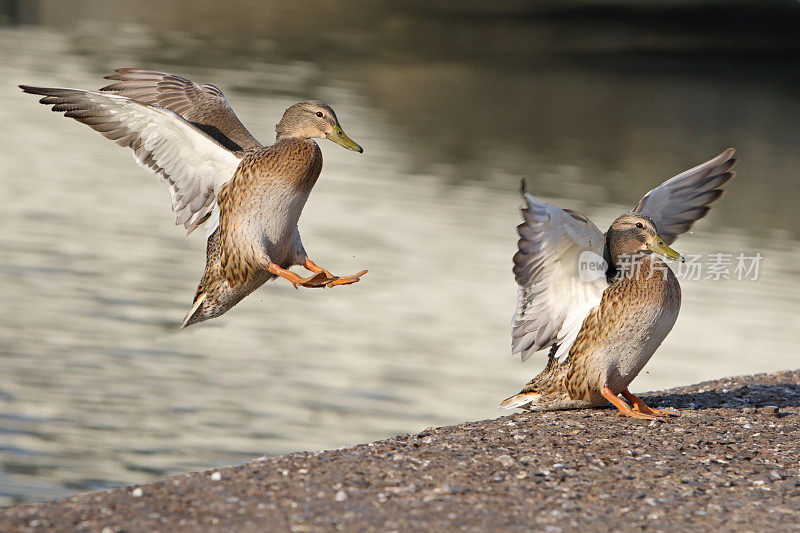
<point x="98" y="388"/>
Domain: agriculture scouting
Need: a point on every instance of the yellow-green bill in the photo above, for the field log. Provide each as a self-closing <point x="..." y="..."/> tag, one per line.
<point x="660" y="247"/>
<point x="339" y="137"/>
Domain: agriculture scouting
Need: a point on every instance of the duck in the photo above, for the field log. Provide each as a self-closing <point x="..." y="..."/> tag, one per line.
<point x="602" y="304"/>
<point x="248" y="196"/>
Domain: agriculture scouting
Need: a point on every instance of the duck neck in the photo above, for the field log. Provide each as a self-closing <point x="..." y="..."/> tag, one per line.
<point x="642" y="267"/>
<point x="289" y="129"/>
<point x="284" y="135"/>
<point x="620" y="262"/>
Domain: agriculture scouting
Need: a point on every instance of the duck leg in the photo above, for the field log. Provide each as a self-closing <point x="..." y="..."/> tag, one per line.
<point x="624" y="408"/>
<point x="332" y="280"/>
<point x="639" y="405"/>
<point x="319" y="279"/>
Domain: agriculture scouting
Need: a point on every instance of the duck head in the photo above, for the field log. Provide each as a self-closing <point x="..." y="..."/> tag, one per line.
<point x="313" y="119"/>
<point x="635" y="233"/>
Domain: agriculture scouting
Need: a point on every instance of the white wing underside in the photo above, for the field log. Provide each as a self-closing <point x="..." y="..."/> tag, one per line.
<point x="552" y="299"/>
<point x="192" y="164"/>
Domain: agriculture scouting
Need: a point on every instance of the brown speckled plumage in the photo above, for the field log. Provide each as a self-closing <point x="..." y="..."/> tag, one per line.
<point x="288" y="169"/>
<point x="273" y="183"/>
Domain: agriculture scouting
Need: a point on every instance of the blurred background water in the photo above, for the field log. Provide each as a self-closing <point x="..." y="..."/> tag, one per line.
<point x="453" y="104"/>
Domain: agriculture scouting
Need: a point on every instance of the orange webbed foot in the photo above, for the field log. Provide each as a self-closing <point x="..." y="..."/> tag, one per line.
<point x="347" y="280"/>
<point x="332" y="280"/>
<point x="639" y="405"/>
<point x="625" y="409"/>
<point x="315" y="281"/>
<point x="318" y="279"/>
<point x="633" y="413"/>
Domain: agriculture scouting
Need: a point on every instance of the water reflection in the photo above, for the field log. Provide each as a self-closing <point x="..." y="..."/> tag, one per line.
<point x="99" y="389"/>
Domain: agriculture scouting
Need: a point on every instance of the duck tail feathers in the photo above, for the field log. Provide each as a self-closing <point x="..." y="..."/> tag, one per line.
<point x="195" y="314"/>
<point x="523" y="400"/>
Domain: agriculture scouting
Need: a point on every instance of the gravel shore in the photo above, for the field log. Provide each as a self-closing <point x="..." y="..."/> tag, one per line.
<point x="730" y="462"/>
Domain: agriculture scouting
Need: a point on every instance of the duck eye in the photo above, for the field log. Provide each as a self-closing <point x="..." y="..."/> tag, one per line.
<point x="319" y="113"/>
<point x="639" y="225"/>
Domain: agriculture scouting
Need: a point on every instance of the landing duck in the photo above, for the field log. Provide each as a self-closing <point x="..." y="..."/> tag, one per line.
<point x="249" y="196"/>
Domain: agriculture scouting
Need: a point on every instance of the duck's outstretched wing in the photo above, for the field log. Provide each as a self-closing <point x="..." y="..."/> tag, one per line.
<point x="190" y="162"/>
<point x="558" y="286"/>
<point x="203" y="105"/>
<point x="679" y="202"/>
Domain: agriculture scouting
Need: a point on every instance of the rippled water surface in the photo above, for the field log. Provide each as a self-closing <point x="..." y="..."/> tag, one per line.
<point x="98" y="388"/>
